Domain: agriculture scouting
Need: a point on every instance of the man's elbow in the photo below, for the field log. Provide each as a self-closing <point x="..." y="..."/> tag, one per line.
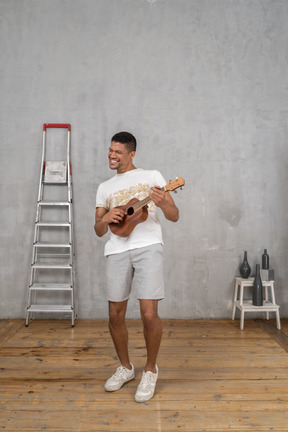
<point x="174" y="217"/>
<point x="99" y="232"/>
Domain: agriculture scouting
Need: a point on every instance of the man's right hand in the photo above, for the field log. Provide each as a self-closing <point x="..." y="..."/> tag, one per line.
<point x="114" y="216"/>
<point x="103" y="217"/>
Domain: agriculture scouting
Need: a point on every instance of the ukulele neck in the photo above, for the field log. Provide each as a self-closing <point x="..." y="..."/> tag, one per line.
<point x="144" y="201"/>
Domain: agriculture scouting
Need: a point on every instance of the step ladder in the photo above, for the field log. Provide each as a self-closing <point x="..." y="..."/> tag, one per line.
<point x="52" y="274"/>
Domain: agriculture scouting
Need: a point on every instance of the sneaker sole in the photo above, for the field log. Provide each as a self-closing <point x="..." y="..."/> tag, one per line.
<point x="143" y="400"/>
<point x="118" y="388"/>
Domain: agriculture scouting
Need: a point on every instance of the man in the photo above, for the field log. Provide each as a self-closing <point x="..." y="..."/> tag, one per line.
<point x="137" y="256"/>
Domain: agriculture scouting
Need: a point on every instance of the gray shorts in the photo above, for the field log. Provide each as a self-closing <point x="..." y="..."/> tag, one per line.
<point x="144" y="266"/>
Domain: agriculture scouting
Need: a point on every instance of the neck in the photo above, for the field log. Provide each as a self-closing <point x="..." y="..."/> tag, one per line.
<point x="122" y="171"/>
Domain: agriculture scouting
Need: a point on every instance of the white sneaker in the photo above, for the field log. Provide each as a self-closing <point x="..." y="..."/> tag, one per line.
<point x="146" y="388"/>
<point x="121" y="376"/>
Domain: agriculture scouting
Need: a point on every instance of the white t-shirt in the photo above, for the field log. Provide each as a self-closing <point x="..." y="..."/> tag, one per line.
<point x="119" y="190"/>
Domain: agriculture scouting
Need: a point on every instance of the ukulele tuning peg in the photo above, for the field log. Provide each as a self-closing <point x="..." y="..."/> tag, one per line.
<point x="175" y="191"/>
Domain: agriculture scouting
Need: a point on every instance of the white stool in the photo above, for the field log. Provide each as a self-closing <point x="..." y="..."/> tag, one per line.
<point x="247" y="306"/>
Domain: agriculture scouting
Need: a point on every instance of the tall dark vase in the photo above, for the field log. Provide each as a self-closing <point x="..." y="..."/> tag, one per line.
<point x="257" y="288"/>
<point x="265" y="260"/>
<point x="245" y="268"/>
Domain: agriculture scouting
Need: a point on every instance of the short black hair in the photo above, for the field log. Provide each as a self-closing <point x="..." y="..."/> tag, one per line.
<point x="126" y="138"/>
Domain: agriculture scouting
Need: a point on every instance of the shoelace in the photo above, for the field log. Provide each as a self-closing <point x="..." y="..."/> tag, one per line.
<point x="147" y="380"/>
<point x="119" y="372"/>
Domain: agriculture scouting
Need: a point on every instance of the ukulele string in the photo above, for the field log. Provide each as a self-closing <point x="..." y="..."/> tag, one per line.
<point x="143" y="202"/>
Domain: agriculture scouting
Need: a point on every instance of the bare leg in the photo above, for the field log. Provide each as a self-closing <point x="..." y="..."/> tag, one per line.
<point x="152" y="331"/>
<point x="118" y="331"/>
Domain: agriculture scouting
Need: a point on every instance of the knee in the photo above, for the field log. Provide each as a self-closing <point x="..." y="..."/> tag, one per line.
<point x="116" y="317"/>
<point x="149" y="318"/>
<point x="117" y="312"/>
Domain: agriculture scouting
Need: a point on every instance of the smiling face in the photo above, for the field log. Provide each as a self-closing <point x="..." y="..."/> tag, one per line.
<point x="120" y="158"/>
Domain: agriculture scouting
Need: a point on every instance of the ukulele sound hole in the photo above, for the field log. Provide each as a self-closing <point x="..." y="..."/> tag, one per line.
<point x="130" y="211"/>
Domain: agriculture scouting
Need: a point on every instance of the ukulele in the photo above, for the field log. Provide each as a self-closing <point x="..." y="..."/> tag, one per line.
<point x="137" y="211"/>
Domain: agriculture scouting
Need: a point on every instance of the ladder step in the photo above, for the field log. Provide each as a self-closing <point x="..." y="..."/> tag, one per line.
<point x="51" y="287"/>
<point x="52" y="245"/>
<point x="54" y="203"/>
<point x="53" y="256"/>
<point x="50" y="308"/>
<point x="51" y="266"/>
<point x="53" y="224"/>
<point x="58" y="183"/>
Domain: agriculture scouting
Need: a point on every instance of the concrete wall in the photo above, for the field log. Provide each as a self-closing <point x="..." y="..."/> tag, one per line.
<point x="202" y="84"/>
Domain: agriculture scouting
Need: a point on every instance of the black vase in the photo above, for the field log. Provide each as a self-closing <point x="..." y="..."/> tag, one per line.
<point x="265" y="260"/>
<point x="245" y="268"/>
<point x="257" y="288"/>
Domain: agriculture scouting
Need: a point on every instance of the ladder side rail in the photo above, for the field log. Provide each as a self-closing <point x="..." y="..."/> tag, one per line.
<point x="36" y="227"/>
<point x="29" y="300"/>
<point x="74" y="293"/>
<point x="71" y="235"/>
<point x="34" y="253"/>
<point x="70" y="199"/>
<point x="30" y="296"/>
<point x="36" y="239"/>
<point x="71" y="276"/>
<point x="40" y="190"/>
<point x="71" y="260"/>
<point x="70" y="231"/>
<point x="73" y="279"/>
<point x="36" y="234"/>
<point x="69" y="169"/>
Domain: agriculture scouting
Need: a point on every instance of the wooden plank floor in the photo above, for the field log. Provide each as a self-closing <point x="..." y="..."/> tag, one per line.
<point x="212" y="377"/>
